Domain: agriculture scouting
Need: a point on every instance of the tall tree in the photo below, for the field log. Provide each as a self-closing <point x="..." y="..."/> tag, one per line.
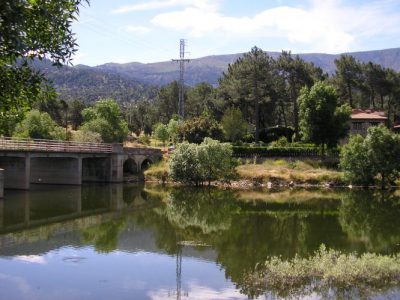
<point x="248" y="84"/>
<point x="198" y="99"/>
<point x="32" y="29"/>
<point x="348" y="76"/>
<point x="167" y="102"/>
<point x="296" y="74"/>
<point x="321" y="120"/>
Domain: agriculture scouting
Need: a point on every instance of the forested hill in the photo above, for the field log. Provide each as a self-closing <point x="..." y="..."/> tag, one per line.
<point x="89" y="84"/>
<point x="135" y="81"/>
<point x="209" y="69"/>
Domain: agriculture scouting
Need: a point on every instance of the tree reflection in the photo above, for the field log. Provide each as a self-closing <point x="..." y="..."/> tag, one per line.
<point x="372" y="218"/>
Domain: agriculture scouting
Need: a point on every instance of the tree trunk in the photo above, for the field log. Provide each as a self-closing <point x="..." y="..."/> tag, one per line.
<point x="350" y="95"/>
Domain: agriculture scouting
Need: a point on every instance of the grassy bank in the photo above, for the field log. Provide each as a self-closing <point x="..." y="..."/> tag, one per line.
<point x="274" y="171"/>
<point x="327" y="270"/>
<point x="284" y="171"/>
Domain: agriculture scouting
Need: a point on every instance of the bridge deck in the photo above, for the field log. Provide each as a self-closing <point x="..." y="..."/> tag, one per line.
<point x="11" y="144"/>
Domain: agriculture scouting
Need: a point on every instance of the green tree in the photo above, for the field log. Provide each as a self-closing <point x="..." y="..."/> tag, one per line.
<point x="354" y="161"/>
<point x="248" y="84"/>
<point x="39" y="125"/>
<point x="105" y="118"/>
<point x="161" y="132"/>
<point x="295" y="73"/>
<point x="321" y="120"/>
<point x="199" y="98"/>
<point x="375" y="156"/>
<point x="75" y="111"/>
<point x="196" y="129"/>
<point x="348" y="76"/>
<point x="234" y="125"/>
<point x="196" y="164"/>
<point x="32" y="29"/>
<point x="173" y="130"/>
<point x="167" y="102"/>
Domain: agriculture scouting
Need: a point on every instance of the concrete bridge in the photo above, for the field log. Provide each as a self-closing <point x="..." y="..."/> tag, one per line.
<point x="56" y="162"/>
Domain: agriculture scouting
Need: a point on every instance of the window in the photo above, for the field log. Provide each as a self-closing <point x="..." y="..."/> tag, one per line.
<point x="357" y="126"/>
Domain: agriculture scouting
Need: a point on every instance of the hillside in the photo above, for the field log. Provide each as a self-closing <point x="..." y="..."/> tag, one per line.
<point x="134" y="81"/>
<point x="89" y="84"/>
<point x="210" y="68"/>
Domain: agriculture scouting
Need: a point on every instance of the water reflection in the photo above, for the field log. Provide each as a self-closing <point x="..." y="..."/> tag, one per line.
<point x="235" y="231"/>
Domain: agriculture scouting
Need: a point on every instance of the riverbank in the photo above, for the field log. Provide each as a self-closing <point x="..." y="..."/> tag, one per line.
<point x="270" y="173"/>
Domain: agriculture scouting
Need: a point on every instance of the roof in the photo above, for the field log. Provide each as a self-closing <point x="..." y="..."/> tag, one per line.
<point x="368" y="114"/>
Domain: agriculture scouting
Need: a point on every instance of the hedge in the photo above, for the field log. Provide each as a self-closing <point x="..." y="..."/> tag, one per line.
<point x="239" y="151"/>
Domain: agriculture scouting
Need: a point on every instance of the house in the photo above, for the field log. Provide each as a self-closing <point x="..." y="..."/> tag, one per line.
<point x="361" y="120"/>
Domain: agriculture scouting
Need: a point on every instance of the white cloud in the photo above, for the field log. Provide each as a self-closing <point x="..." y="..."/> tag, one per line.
<point x="328" y="26"/>
<point x="162" y="4"/>
<point x="34" y="259"/>
<point x="197" y="292"/>
<point x="137" y="29"/>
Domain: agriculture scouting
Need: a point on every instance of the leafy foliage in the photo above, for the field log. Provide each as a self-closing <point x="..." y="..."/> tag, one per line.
<point x="196" y="164"/>
<point x="39" y="125"/>
<point x="235" y="127"/>
<point x="327" y="269"/>
<point x="161" y="132"/>
<point x="32" y="29"/>
<point x="321" y="121"/>
<point x="196" y="129"/>
<point x="375" y="155"/>
<point x="105" y="118"/>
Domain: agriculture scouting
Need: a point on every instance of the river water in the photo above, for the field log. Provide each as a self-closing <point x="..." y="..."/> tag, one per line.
<point x="153" y="242"/>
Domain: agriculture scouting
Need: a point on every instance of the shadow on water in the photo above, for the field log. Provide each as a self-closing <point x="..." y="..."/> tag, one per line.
<point x="236" y="230"/>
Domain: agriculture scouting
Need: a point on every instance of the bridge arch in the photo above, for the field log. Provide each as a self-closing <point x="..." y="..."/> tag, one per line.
<point x="146" y="163"/>
<point x="130" y="166"/>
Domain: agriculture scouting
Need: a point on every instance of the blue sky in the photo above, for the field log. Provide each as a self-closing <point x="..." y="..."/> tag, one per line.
<point x="149" y="30"/>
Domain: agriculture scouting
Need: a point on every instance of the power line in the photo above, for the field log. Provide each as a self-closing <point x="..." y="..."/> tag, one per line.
<point x="182" y="60"/>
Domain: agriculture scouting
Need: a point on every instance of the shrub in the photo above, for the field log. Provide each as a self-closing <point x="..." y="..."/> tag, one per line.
<point x="196" y="129"/>
<point x="161" y="132"/>
<point x="275" y="151"/>
<point x="196" y="164"/>
<point x="39" y="125"/>
<point x="326" y="269"/>
<point x="105" y="119"/>
<point x="376" y="155"/>
<point x="86" y="137"/>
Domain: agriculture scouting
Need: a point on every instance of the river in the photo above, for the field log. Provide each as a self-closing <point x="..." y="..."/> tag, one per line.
<point x="153" y="242"/>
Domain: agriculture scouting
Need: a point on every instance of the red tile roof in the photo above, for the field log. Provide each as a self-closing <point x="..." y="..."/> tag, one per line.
<point x="368" y="114"/>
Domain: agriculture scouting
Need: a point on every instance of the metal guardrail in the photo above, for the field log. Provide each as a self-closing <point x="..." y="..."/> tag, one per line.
<point x="13" y="144"/>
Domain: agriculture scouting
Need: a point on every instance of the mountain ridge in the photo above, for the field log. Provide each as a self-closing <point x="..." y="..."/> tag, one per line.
<point x="130" y="82"/>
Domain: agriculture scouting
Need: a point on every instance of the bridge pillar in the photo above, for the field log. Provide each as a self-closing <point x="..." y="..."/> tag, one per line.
<point x="117" y="167"/>
<point x="1" y="183"/>
<point x="57" y="170"/>
<point x="17" y="171"/>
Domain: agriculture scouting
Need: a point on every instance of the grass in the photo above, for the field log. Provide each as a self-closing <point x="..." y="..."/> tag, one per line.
<point x="157" y="171"/>
<point x="280" y="170"/>
<point x="327" y="270"/>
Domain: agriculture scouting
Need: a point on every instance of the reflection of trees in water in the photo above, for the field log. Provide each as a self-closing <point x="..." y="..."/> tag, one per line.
<point x="246" y="234"/>
<point x="105" y="236"/>
<point x="373" y="218"/>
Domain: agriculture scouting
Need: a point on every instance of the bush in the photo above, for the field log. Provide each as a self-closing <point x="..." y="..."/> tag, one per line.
<point x="275" y="151"/>
<point x="161" y="132"/>
<point x="105" y="119"/>
<point x="196" y="164"/>
<point x="376" y="155"/>
<point x="39" y="125"/>
<point x="271" y="134"/>
<point x="196" y="129"/>
<point x="86" y="137"/>
<point x="326" y="269"/>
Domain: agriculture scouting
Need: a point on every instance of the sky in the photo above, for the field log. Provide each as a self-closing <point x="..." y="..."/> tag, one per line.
<point x="148" y="31"/>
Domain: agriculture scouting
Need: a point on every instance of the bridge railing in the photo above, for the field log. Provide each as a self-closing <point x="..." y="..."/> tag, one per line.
<point x="13" y="144"/>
